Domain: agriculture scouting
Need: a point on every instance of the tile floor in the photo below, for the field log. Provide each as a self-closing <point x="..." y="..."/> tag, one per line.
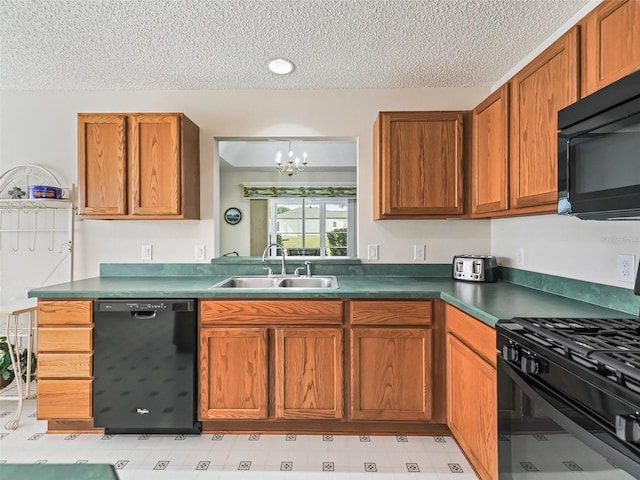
<point x="226" y="457"/>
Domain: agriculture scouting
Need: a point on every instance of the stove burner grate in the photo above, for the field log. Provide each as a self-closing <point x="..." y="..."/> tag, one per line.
<point x="610" y="346"/>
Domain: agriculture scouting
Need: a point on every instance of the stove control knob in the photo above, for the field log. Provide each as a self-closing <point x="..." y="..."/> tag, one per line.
<point x="530" y="365"/>
<point x="628" y="428"/>
<point x="510" y="353"/>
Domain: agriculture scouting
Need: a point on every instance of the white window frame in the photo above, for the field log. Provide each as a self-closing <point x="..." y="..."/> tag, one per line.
<point x="351" y="205"/>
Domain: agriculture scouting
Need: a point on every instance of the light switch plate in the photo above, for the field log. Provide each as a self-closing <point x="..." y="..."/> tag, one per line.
<point x="372" y="252"/>
<point x="200" y="252"/>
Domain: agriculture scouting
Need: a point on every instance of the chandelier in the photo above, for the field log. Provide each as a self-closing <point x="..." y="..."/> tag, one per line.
<point x="291" y="165"/>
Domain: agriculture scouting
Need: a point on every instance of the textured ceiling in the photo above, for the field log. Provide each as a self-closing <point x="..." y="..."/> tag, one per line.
<point x="227" y="44"/>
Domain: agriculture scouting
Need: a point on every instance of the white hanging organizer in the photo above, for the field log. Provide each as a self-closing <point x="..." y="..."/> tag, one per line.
<point x="22" y="222"/>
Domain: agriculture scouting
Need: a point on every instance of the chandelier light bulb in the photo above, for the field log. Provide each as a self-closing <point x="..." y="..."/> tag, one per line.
<point x="292" y="164"/>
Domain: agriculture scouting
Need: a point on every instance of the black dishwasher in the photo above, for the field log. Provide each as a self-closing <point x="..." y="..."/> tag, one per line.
<point x="144" y="366"/>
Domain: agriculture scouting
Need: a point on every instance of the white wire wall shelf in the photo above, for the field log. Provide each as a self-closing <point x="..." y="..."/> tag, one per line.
<point x="25" y="219"/>
<point x="27" y="225"/>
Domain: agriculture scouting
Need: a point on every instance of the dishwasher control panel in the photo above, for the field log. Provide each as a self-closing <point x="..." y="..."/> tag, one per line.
<point x="144" y="305"/>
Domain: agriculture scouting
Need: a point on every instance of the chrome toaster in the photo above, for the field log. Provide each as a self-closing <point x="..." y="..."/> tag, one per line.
<point x="475" y="268"/>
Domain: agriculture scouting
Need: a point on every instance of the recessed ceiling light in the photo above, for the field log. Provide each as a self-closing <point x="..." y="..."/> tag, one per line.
<point x="281" y="66"/>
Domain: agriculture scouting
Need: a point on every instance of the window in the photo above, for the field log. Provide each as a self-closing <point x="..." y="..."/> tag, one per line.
<point x="314" y="226"/>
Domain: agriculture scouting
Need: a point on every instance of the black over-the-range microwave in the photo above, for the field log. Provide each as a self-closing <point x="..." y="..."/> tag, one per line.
<point x="599" y="153"/>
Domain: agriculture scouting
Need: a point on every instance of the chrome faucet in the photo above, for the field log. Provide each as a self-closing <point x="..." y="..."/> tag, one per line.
<point x="307" y="267"/>
<point x="264" y="254"/>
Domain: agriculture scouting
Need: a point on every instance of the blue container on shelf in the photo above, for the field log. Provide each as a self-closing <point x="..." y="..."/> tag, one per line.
<point x="44" y="191"/>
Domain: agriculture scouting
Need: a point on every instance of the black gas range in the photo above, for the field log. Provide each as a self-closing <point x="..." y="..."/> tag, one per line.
<point x="569" y="397"/>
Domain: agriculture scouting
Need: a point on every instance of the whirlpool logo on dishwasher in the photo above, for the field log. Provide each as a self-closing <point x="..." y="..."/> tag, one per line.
<point x="142" y="411"/>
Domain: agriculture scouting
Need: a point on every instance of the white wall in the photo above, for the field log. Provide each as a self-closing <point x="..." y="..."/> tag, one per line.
<point x="40" y="128"/>
<point x="567" y="246"/>
<point x="237" y="237"/>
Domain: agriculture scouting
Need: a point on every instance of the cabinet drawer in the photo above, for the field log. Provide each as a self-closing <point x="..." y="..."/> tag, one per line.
<point x="478" y="336"/>
<point x="64" y="312"/>
<point x="52" y="339"/>
<point x="273" y="312"/>
<point x="68" y="399"/>
<point x="64" y="365"/>
<point x="390" y="312"/>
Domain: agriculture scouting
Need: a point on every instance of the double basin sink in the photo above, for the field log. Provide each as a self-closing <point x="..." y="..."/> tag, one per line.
<point x="278" y="281"/>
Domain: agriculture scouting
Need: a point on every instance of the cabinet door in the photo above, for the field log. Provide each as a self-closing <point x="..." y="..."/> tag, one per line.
<point x="539" y="90"/>
<point x="391" y="376"/>
<point x="155" y="169"/>
<point x="64" y="399"/>
<point x="308" y="366"/>
<point x="418" y="164"/>
<point x="611" y="43"/>
<point x="472" y="400"/>
<point x="102" y="165"/>
<point x="490" y="159"/>
<point x="233" y="375"/>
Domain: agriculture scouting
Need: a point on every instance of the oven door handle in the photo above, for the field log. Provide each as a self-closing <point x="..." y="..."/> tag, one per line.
<point x="607" y="444"/>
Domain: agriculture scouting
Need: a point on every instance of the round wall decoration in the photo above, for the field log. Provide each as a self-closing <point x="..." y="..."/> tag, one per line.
<point x="232" y="216"/>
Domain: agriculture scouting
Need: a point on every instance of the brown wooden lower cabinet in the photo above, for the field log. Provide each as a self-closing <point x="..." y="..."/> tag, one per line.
<point x="391" y="373"/>
<point x="258" y="367"/>
<point x="308" y="373"/>
<point x="233" y="373"/>
<point x="472" y="390"/>
<point x="65" y="351"/>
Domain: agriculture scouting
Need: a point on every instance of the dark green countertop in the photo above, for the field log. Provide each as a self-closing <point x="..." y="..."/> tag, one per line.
<point x="485" y="301"/>
<point x="49" y="471"/>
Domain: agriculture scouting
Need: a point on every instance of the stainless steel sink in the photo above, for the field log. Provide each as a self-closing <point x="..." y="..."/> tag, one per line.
<point x="290" y="282"/>
<point x="309" y="282"/>
<point x="247" y="282"/>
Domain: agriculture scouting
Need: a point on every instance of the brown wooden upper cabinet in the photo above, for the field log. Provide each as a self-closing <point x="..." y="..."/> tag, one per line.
<point x="538" y="91"/>
<point x="490" y="155"/>
<point x="138" y="166"/>
<point x="610" y="43"/>
<point x="418" y="165"/>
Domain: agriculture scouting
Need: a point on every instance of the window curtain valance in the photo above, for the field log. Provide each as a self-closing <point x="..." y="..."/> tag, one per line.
<point x="291" y="191"/>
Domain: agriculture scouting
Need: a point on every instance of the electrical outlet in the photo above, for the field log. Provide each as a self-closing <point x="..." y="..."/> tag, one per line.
<point x="147" y="253"/>
<point x="624" y="268"/>
<point x="520" y="256"/>
<point x="372" y="252"/>
<point x="419" y="252"/>
<point x="200" y="253"/>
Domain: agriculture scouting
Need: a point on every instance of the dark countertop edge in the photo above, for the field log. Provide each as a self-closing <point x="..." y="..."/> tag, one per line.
<point x="475" y="312"/>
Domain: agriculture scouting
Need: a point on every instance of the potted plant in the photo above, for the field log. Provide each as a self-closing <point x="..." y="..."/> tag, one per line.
<point x="7" y="373"/>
